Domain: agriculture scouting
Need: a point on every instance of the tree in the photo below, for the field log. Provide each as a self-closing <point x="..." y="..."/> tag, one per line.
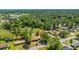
<point x="77" y="35"/>
<point x="44" y="38"/>
<point x="6" y="26"/>
<point x="71" y="41"/>
<point x="63" y="34"/>
<point x="16" y="27"/>
<point x="27" y="36"/>
<point x="26" y="46"/>
<point x="54" y="44"/>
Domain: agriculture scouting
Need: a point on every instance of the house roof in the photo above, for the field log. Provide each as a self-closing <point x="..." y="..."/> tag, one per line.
<point x="19" y="42"/>
<point x="3" y="46"/>
<point x="67" y="48"/>
<point x="75" y="44"/>
<point x="34" y="38"/>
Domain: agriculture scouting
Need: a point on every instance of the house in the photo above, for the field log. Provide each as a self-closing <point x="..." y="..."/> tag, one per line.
<point x="35" y="38"/>
<point x="18" y="42"/>
<point x="66" y="48"/>
<point x="76" y="44"/>
<point x="2" y="46"/>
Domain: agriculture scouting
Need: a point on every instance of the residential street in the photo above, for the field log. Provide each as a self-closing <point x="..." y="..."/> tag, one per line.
<point x="68" y="38"/>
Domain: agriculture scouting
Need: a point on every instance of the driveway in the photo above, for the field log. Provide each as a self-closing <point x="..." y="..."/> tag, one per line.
<point x="68" y="38"/>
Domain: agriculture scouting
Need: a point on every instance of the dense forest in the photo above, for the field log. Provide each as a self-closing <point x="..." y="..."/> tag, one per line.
<point x="39" y="11"/>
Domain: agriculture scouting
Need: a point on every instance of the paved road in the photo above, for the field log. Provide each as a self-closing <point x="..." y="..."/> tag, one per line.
<point x="69" y="38"/>
<point x="37" y="47"/>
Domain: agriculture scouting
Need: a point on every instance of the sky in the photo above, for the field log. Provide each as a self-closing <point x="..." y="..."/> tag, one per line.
<point x="39" y="4"/>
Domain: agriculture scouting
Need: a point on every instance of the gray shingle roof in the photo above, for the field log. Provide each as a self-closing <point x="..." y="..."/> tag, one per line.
<point x="75" y="44"/>
<point x="67" y="48"/>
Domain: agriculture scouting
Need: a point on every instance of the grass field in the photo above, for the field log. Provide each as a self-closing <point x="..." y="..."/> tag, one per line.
<point x="44" y="48"/>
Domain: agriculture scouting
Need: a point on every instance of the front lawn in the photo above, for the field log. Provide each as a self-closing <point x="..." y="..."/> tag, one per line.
<point x="12" y="47"/>
<point x="33" y="44"/>
<point x="69" y="42"/>
<point x="44" y="48"/>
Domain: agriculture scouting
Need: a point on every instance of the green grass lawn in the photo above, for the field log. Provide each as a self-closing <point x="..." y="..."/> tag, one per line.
<point x="77" y="48"/>
<point x="32" y="44"/>
<point x="12" y="47"/>
<point x="44" y="48"/>
<point x="67" y="42"/>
